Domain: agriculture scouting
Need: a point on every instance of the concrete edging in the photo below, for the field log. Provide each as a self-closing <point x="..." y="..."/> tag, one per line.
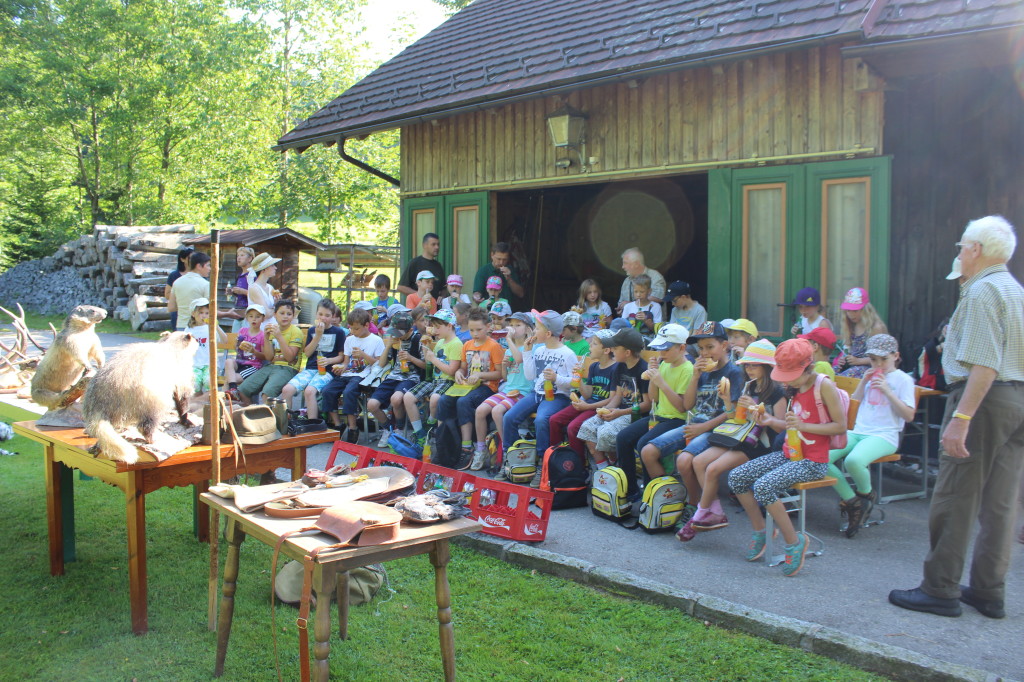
<point x="867" y="654"/>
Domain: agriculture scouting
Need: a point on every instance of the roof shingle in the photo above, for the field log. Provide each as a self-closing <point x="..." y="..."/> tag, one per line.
<point x="497" y="49"/>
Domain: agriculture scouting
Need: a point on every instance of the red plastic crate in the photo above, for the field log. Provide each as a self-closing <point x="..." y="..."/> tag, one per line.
<point x="511" y="511"/>
<point x="357" y="451"/>
<point x="452" y="480"/>
<point x="379" y="458"/>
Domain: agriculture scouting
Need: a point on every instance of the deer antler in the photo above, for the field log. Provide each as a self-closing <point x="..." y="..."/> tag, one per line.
<point x="24" y="335"/>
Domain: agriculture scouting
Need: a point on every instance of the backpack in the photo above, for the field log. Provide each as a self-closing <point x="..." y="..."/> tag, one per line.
<point x="608" y="494"/>
<point x="493" y="445"/>
<point x="564" y="473"/>
<point x="834" y="442"/>
<point x="662" y="504"/>
<point x="520" y="461"/>
<point x="447" y="444"/>
<point x="401" y="445"/>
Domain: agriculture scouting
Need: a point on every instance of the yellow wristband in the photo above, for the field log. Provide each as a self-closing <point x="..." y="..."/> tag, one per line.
<point x="961" y="415"/>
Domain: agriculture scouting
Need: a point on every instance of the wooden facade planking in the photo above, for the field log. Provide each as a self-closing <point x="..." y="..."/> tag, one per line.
<point x="800" y="102"/>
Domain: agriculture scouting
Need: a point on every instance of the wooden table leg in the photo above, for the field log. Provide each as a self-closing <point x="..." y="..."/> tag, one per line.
<point x="439" y="557"/>
<point x="54" y="511"/>
<point x="343" y="604"/>
<point x="135" y="503"/>
<point x="325" y="583"/>
<point x="67" y="507"/>
<point x="298" y="463"/>
<point x="200" y="512"/>
<point x="234" y="537"/>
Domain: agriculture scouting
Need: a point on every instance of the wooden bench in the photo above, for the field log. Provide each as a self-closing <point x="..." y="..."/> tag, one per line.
<point x="800" y="499"/>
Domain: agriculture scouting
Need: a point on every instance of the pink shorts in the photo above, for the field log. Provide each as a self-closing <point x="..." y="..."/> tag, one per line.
<point x="504" y="400"/>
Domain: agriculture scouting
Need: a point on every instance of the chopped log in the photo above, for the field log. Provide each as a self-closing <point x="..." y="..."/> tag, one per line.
<point x="141" y="270"/>
<point x="147" y="229"/>
<point x="122" y="313"/>
<point x="131" y="279"/>
<point x="148" y="289"/>
<point x="139" y="311"/>
<point x="168" y="259"/>
<point x="155" y="243"/>
<point x="149" y="301"/>
<point x="153" y="326"/>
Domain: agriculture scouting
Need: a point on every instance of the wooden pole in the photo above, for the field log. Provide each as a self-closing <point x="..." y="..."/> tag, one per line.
<point x="214" y="427"/>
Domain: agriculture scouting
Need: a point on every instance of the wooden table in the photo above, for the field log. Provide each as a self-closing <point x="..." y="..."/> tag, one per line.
<point x="331" y="573"/>
<point x="67" y="449"/>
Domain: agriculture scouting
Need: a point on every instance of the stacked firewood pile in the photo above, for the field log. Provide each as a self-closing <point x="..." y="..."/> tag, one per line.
<point x="127" y="267"/>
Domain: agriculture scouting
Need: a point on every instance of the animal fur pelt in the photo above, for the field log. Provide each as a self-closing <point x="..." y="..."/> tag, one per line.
<point x="137" y="388"/>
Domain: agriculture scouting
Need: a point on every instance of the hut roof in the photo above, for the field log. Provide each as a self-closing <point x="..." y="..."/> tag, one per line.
<point x="497" y="51"/>
<point x="254" y="237"/>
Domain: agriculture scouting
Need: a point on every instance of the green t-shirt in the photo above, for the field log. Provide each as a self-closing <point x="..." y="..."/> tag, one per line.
<point x="448" y="351"/>
<point x="581" y="348"/>
<point x="293" y="337"/>
<point x="679" y="379"/>
<point x="822" y="367"/>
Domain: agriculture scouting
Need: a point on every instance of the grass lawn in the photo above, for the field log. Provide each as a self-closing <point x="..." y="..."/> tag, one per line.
<point x="510" y="623"/>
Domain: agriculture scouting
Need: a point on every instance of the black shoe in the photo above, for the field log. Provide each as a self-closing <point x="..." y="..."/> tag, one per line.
<point x="989" y="609"/>
<point x="465" y="459"/>
<point x="917" y="600"/>
<point x="352" y="436"/>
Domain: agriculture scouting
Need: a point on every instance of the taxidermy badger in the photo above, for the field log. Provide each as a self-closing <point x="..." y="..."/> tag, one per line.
<point x="138" y="387"/>
<point x="63" y="372"/>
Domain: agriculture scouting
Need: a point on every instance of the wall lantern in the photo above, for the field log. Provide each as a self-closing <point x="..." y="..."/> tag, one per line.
<point x="566" y="126"/>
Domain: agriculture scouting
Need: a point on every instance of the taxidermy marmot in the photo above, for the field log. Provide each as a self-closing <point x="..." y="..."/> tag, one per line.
<point x="64" y="368"/>
<point x="138" y="387"/>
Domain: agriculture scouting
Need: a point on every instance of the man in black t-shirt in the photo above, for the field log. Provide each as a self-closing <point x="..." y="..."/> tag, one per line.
<point x="426" y="261"/>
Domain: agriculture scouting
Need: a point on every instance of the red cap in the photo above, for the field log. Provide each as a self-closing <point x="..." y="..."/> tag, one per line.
<point x="823" y="336"/>
<point x="791" y="359"/>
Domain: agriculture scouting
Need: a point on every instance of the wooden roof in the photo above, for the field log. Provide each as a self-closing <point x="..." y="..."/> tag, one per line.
<point x="254" y="237"/>
<point x="496" y="51"/>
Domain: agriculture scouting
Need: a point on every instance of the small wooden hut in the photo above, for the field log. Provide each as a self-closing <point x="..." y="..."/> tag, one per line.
<point x="279" y="242"/>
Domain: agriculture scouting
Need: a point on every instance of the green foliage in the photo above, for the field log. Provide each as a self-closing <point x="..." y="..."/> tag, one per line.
<point x="453" y="6"/>
<point x="510" y="623"/>
<point x="155" y="111"/>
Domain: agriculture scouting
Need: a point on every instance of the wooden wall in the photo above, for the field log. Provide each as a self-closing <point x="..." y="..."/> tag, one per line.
<point x="957" y="141"/>
<point x="799" y="102"/>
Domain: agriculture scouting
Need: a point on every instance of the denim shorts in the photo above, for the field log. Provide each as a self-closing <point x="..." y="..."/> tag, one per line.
<point x="673" y="441"/>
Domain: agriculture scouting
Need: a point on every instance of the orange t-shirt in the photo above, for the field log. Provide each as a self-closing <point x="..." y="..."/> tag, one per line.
<point x="488" y="354"/>
<point x="413" y="300"/>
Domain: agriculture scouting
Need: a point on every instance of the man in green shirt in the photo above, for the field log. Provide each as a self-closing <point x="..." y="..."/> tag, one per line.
<point x="511" y="289"/>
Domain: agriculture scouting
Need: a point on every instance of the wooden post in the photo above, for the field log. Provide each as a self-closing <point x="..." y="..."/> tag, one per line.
<point x="214" y="428"/>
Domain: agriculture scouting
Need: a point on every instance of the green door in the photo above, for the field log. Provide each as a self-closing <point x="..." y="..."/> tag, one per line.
<point x="773" y="231"/>
<point x="460" y="220"/>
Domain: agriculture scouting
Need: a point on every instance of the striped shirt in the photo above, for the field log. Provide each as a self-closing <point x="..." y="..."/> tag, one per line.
<point x="987" y="327"/>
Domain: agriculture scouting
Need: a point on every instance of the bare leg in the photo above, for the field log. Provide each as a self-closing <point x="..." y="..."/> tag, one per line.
<point x="726" y="461"/>
<point x="480" y="421"/>
<point x="782" y="520"/>
<point x="374" y="408"/>
<point x="287" y="394"/>
<point x="684" y="465"/>
<point x="753" y="511"/>
<point x="397" y="405"/>
<point x="498" y="415"/>
<point x="411" y="406"/>
<point x="312" y="404"/>
<point x="435" y="398"/>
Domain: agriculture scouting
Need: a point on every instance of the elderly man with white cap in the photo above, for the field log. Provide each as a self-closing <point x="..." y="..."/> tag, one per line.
<point x="982" y="456"/>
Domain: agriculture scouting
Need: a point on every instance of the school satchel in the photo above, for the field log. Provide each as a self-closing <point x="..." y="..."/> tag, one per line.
<point x="564" y="473"/>
<point x="731" y="433"/>
<point x="662" y="504"/>
<point x="404" y="447"/>
<point x="608" y="494"/>
<point x="520" y="461"/>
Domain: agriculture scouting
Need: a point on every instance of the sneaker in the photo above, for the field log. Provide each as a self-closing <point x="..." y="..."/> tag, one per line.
<point x="352" y="436"/>
<point x="688" y="512"/>
<point x="755" y="550"/>
<point x="711" y="521"/>
<point x="795" y="557"/>
<point x="478" y="460"/>
<point x="500" y="476"/>
<point x="687" y="532"/>
<point x="465" y="459"/>
<point x="535" y="483"/>
<point x="385" y="433"/>
<point x="421" y="439"/>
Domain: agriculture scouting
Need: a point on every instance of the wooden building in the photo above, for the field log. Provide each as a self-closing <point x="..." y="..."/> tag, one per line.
<point x="750" y="148"/>
<point x="278" y="242"/>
